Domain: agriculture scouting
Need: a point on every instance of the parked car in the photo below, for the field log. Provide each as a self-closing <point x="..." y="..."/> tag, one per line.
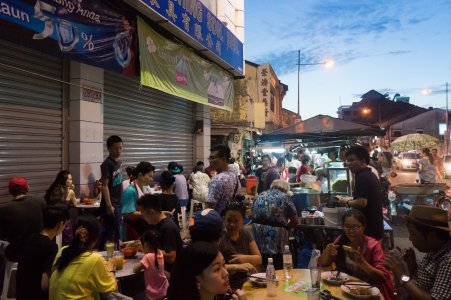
<point x="407" y="160"/>
<point x="446" y="161"/>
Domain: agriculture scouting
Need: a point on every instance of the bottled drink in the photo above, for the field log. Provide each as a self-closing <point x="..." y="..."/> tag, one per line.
<point x="287" y="262"/>
<point x="271" y="283"/>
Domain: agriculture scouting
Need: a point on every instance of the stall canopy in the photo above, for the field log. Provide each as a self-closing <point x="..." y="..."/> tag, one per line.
<point x="322" y="128"/>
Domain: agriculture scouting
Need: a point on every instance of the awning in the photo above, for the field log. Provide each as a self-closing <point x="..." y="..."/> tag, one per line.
<point x="322" y="128"/>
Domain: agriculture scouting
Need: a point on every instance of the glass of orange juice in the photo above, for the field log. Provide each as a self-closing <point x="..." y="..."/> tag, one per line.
<point x="119" y="258"/>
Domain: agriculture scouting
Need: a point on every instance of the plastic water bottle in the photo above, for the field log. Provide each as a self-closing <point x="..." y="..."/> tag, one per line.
<point x="392" y="198"/>
<point x="271" y="281"/>
<point x="287" y="262"/>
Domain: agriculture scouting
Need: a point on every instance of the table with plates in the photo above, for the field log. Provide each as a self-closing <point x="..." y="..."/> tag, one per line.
<point x="259" y="293"/>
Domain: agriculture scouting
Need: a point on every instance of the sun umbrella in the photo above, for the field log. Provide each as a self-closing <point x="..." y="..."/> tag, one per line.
<point x="414" y="141"/>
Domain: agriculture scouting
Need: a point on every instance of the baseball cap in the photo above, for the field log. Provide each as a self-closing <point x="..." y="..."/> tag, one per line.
<point x="16" y="184"/>
<point x="208" y="220"/>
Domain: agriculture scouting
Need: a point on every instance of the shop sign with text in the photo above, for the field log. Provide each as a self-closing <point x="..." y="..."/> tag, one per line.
<point x="99" y="33"/>
<point x="195" y="20"/>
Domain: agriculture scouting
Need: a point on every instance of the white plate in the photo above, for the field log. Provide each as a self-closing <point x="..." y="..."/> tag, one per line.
<point x="346" y="288"/>
<point x="329" y="277"/>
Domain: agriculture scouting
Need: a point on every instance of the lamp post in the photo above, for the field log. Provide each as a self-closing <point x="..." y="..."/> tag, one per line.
<point x="327" y="63"/>
<point x="446" y="120"/>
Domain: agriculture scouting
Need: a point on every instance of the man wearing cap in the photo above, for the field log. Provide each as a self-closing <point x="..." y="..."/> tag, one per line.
<point x="208" y="226"/>
<point x="429" y="232"/>
<point x="180" y="186"/>
<point x="19" y="218"/>
<point x="224" y="186"/>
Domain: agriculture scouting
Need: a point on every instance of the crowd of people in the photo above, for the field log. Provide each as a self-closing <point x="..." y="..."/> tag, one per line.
<point x="221" y="251"/>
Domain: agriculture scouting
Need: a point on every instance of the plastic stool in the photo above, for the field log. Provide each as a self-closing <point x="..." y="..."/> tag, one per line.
<point x="9" y="281"/>
<point x="192" y="207"/>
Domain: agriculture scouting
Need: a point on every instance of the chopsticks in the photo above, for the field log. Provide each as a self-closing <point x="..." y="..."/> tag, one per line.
<point x="351" y="284"/>
<point x="337" y="276"/>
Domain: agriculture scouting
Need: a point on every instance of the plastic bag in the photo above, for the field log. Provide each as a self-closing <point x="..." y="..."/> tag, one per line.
<point x="313" y="263"/>
<point x="306" y="178"/>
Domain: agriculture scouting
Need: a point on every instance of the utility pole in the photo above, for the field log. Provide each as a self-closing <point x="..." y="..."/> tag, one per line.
<point x="299" y="71"/>
<point x="446" y="120"/>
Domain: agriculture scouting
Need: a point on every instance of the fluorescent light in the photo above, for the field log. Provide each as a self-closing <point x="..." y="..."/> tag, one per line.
<point x="275" y="150"/>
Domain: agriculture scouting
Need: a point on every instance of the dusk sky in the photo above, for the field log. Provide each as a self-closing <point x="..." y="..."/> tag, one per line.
<point x="391" y="46"/>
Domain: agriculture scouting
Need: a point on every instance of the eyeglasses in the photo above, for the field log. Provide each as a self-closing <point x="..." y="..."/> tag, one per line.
<point x="352" y="228"/>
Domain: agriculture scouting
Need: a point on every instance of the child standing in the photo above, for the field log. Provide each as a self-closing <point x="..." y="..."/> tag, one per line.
<point x="153" y="264"/>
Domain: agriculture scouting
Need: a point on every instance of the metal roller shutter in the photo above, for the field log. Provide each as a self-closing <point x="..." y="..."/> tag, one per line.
<point x="155" y="126"/>
<point x="31" y="122"/>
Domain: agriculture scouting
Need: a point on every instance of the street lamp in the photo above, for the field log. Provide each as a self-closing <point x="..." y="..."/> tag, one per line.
<point x="327" y="63"/>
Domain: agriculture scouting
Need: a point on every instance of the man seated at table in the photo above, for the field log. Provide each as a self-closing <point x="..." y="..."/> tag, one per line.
<point x="19" y="218"/>
<point x="37" y="255"/>
<point x="170" y="240"/>
<point x="429" y="232"/>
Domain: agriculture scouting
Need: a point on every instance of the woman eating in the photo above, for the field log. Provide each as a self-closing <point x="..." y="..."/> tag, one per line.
<point x="62" y="191"/>
<point x="359" y="255"/>
<point x="199" y="274"/>
<point x="238" y="246"/>
<point x="273" y="213"/>
<point x="78" y="272"/>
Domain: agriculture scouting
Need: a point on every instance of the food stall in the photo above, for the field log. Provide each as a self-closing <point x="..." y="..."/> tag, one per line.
<point x="321" y="132"/>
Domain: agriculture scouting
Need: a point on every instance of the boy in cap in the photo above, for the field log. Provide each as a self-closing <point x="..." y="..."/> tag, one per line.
<point x="180" y="188"/>
<point x="19" y="218"/>
<point x="429" y="232"/>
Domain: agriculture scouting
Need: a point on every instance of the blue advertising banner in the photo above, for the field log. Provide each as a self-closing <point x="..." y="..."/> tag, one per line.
<point x="93" y="32"/>
<point x="194" y="18"/>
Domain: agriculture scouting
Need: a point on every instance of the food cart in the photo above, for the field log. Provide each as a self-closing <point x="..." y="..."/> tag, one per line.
<point x="323" y="131"/>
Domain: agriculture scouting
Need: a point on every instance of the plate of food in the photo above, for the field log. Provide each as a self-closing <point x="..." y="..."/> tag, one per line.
<point x="360" y="290"/>
<point x="259" y="279"/>
<point x="331" y="277"/>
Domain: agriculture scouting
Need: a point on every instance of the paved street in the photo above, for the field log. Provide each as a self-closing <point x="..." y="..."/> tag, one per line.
<point x="398" y="224"/>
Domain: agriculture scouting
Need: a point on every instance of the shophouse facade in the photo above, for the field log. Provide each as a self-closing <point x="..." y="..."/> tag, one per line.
<point x="257" y="110"/>
<point x="71" y="76"/>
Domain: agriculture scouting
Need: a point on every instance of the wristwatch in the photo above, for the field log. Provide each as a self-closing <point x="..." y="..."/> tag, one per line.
<point x="404" y="279"/>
